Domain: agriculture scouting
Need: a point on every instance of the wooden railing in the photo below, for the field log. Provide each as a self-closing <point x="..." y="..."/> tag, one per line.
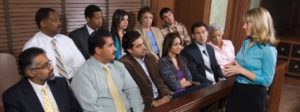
<point x="209" y="95"/>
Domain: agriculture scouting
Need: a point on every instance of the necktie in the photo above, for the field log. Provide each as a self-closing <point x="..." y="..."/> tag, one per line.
<point x="208" y="72"/>
<point x="59" y="64"/>
<point x="206" y="59"/>
<point x="120" y="107"/>
<point x="48" y="106"/>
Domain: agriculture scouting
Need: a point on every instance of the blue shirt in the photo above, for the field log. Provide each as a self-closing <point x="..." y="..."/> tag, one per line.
<point x="118" y="48"/>
<point x="153" y="42"/>
<point x="259" y="59"/>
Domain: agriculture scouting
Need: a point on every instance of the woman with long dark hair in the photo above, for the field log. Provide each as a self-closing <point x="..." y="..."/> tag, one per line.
<point x="172" y="65"/>
<point x="118" y="29"/>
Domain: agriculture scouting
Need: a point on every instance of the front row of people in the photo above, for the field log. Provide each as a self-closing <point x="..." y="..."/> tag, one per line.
<point x="143" y="81"/>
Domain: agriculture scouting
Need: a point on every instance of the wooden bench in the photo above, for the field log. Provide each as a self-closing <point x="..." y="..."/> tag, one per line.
<point x="209" y="95"/>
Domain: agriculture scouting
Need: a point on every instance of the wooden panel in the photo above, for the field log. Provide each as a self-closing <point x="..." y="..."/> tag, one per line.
<point x="234" y="21"/>
<point x="22" y="14"/>
<point x="189" y="11"/>
<point x="75" y="12"/>
<point x="285" y="14"/>
<point x="296" y="51"/>
<point x="3" y="31"/>
<point x="193" y="102"/>
<point x="157" y="5"/>
<point x="131" y="6"/>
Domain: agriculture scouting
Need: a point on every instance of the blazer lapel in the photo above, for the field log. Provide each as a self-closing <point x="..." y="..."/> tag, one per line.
<point x="57" y="96"/>
<point x="139" y="68"/>
<point x="197" y="53"/>
<point x="85" y="30"/>
<point x="209" y="50"/>
<point x="31" y="96"/>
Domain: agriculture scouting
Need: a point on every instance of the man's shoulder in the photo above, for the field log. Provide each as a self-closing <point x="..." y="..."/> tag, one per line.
<point x="36" y="37"/>
<point x="180" y="24"/>
<point x="65" y="38"/>
<point x="78" y="31"/>
<point x="189" y="47"/>
<point x="125" y="59"/>
<point x="58" y="80"/>
<point x="15" y="89"/>
<point x="117" y="63"/>
<point x="151" y="57"/>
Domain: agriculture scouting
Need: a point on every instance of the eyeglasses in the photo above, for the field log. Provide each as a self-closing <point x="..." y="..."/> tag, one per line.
<point x="45" y="66"/>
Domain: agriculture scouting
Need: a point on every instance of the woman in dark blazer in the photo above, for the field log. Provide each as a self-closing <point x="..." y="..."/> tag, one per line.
<point x="172" y="65"/>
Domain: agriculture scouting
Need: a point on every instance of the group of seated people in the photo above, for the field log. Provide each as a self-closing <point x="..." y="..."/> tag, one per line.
<point x="95" y="70"/>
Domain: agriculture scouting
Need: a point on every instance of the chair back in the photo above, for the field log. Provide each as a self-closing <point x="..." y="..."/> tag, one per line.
<point x="8" y="74"/>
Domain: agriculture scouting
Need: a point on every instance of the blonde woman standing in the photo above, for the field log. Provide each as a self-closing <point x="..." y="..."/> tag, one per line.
<point x="255" y="64"/>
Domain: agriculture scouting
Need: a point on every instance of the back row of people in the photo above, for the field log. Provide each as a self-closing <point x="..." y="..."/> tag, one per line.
<point x="103" y="84"/>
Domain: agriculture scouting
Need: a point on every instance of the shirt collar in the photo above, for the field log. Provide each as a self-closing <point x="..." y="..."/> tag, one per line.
<point x="46" y="37"/>
<point x="100" y="63"/>
<point x="175" y="24"/>
<point x="37" y="86"/>
<point x="249" y="39"/>
<point x="139" y="59"/>
<point x="200" y="45"/>
<point x="90" y="30"/>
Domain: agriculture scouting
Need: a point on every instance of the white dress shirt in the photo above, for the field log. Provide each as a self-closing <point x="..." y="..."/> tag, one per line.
<point x="209" y="74"/>
<point x="70" y="55"/>
<point x="90" y="30"/>
<point x="143" y="65"/>
<point x="38" y="91"/>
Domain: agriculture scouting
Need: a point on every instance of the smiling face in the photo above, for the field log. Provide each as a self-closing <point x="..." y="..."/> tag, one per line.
<point x="216" y="37"/>
<point x="176" y="46"/>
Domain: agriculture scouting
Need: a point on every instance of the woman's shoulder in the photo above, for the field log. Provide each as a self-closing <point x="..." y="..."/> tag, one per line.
<point x="164" y="61"/>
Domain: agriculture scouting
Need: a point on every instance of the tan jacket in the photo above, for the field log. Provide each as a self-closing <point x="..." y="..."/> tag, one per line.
<point x="158" y="37"/>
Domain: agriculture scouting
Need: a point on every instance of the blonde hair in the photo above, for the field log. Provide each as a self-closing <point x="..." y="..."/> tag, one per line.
<point x="262" y="29"/>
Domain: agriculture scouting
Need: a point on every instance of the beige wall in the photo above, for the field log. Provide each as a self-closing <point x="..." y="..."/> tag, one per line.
<point x="254" y="4"/>
<point x="218" y="12"/>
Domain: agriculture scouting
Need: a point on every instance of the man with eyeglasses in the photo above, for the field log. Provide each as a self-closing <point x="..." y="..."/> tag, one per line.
<point x="39" y="90"/>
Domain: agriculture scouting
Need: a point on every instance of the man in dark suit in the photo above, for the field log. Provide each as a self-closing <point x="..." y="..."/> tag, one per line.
<point x="39" y="90"/>
<point x="144" y="71"/>
<point x="201" y="57"/>
<point x="93" y="16"/>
